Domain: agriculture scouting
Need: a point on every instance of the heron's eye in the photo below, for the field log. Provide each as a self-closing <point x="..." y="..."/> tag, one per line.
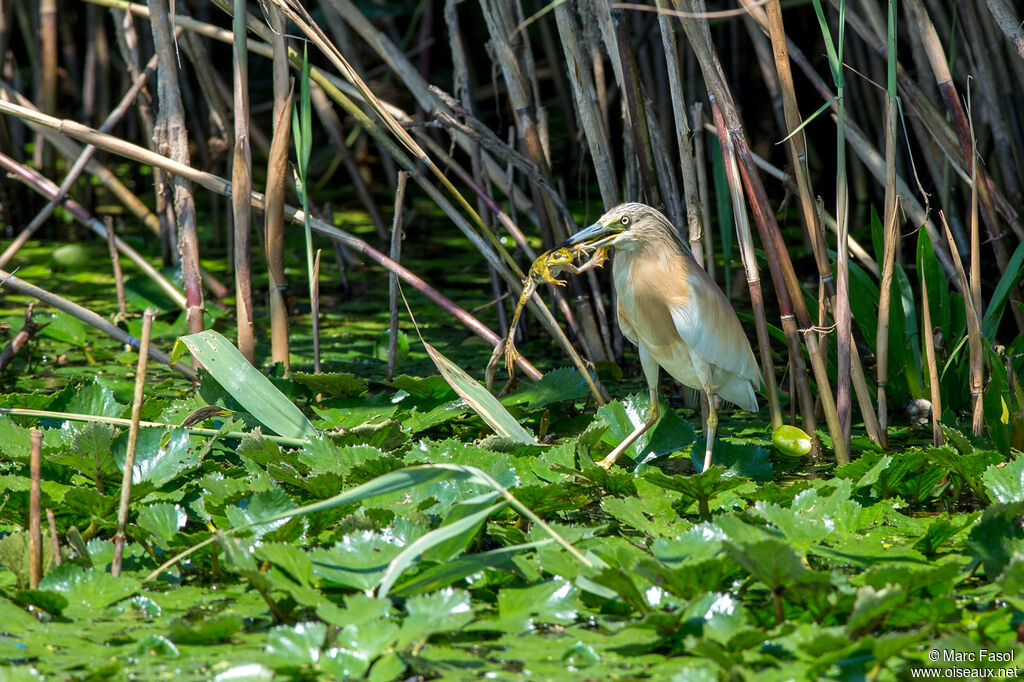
<point x="625" y="220"/>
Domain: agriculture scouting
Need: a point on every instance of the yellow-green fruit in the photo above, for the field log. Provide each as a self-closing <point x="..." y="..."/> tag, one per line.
<point x="791" y="441"/>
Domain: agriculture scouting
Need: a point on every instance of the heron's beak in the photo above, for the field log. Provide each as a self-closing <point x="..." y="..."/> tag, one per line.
<point x="597" y="234"/>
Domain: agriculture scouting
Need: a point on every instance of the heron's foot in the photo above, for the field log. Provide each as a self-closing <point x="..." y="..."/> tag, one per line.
<point x="606" y="463"/>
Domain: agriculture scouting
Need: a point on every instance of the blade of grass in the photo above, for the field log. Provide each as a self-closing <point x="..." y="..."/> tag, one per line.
<point x="246" y="384"/>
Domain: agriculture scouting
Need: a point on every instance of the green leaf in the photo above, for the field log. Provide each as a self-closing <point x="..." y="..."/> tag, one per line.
<point x="253" y="514"/>
<point x="669" y="434"/>
<point x="247" y="385"/>
<point x="557" y="386"/>
<point x="160" y="456"/>
<point x="163" y="521"/>
<point x="1006" y="483"/>
<point x="449" y="572"/>
<point x="997" y="536"/>
<point x="552" y="601"/>
<point x="480" y="399"/>
<point x="445" y="610"/>
<point x="66" y="329"/>
<point x="463" y="527"/>
<point x="339" y="384"/>
<point x="997" y="303"/>
<point x="721" y="615"/>
<point x="87" y="590"/>
<point x="94" y="398"/>
<point x="205" y="630"/>
<point x="359" y="560"/>
<point x="297" y="645"/>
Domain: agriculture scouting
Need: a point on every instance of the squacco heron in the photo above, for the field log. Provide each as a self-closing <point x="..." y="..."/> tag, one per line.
<point x="674" y="313"/>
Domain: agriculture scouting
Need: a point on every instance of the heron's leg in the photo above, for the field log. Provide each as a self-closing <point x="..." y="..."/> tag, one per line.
<point x="651" y="368"/>
<point x="712" y="428"/>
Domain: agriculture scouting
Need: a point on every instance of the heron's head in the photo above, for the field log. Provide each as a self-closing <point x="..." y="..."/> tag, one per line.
<point x="627" y="226"/>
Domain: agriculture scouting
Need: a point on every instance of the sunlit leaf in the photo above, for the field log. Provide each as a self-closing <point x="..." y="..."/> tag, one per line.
<point x="247" y="385"/>
<point x="480" y="399"/>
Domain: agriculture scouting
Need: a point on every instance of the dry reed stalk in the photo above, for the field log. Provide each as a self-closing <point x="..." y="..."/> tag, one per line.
<point x="746" y="244"/>
<point x="841" y="311"/>
<point x="962" y="127"/>
<point x="223" y="187"/>
<point x="277" y="179"/>
<point x="891" y="232"/>
<point x="24" y="335"/>
<point x="985" y="66"/>
<point x="35" y="495"/>
<point x="974" y="338"/>
<point x="397" y="233"/>
<point x="634" y="104"/>
<point x="463" y="92"/>
<point x="581" y="79"/>
<point x="79" y="165"/>
<point x="977" y="359"/>
<point x="115" y="261"/>
<point x="1009" y="23"/>
<point x="47" y="76"/>
<point x="52" y="523"/>
<point x="49" y="190"/>
<point x="329" y="83"/>
<point x="171" y="131"/>
<point x="684" y="143"/>
<point x="332" y="124"/>
<point x="241" y="180"/>
<point x="702" y="189"/>
<point x="932" y="365"/>
<point x="796" y="146"/>
<point x="128" y="45"/>
<point x="500" y="258"/>
<point x="513" y="58"/>
<point x="133" y="441"/>
<point x="863" y="148"/>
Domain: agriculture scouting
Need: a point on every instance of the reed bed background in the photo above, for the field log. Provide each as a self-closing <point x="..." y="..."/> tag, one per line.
<point x="874" y="149"/>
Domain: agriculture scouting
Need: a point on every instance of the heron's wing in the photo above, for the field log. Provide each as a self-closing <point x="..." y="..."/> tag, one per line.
<point x="709" y="327"/>
<point x="626" y="324"/>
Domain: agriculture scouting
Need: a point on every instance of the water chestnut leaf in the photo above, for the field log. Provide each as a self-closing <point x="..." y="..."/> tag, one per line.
<point x="552" y="601"/>
<point x="160" y="457"/>
<point x="163" y="521"/>
<point x="997" y="536"/>
<point x="670" y="434"/>
<point x="721" y="616"/>
<point x="359" y="608"/>
<point x="443" y="611"/>
<point x="87" y="590"/>
<point x="94" y="398"/>
<point x="345" y="664"/>
<point x="337" y="384"/>
<point x="1005" y="483"/>
<point x="262" y="505"/>
<point x="291" y="646"/>
<point x="700" y="542"/>
<point x="359" y="560"/>
<point x="370" y="638"/>
<point x="51" y="601"/>
<point x="557" y="386"/>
